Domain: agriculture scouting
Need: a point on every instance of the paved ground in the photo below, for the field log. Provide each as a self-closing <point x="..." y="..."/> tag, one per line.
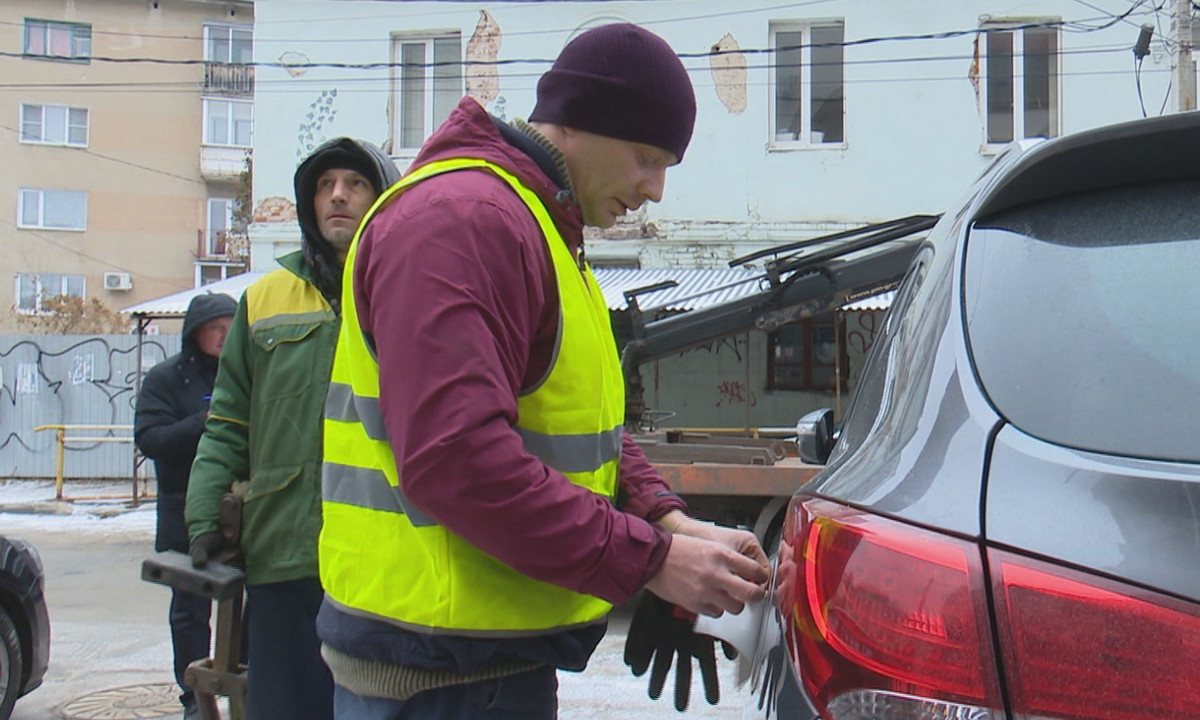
<point x="110" y="651"/>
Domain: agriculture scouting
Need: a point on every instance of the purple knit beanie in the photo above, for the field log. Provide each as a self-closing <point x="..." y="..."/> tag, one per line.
<point x="623" y="82"/>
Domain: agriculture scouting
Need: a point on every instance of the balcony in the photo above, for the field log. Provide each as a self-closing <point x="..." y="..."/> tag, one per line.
<point x="228" y="79"/>
<point x="220" y="163"/>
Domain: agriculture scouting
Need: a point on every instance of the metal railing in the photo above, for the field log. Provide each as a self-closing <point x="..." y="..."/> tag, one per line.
<point x="229" y="78"/>
<point x="62" y="439"/>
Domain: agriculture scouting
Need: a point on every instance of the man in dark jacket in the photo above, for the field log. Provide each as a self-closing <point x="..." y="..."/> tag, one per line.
<point x="265" y="428"/>
<point x="168" y="423"/>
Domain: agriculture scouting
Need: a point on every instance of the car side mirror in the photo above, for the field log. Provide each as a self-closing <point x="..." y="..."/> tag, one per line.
<point x="814" y="436"/>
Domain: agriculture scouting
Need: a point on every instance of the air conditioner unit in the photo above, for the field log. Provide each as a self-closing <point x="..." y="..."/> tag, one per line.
<point x="118" y="281"/>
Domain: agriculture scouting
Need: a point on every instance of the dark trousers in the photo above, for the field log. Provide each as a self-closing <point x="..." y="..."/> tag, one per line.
<point x="189" y="615"/>
<point x="531" y="695"/>
<point x="190" y="635"/>
<point x="287" y="678"/>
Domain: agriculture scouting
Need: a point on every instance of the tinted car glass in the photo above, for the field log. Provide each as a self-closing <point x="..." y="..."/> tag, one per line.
<point x="873" y="396"/>
<point x="1081" y="314"/>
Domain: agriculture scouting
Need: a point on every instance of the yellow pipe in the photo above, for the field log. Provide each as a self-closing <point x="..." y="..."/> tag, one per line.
<point x="61" y="440"/>
<point x="58" y="473"/>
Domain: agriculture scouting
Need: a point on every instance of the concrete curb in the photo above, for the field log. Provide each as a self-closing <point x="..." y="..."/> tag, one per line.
<point x="52" y="507"/>
<point x="63" y="507"/>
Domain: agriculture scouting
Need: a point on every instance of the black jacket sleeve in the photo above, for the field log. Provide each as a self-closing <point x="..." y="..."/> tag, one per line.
<point x="159" y="428"/>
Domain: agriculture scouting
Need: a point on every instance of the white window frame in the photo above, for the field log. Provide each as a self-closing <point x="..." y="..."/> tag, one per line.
<point x="79" y="39"/>
<point x="70" y="117"/>
<point x="441" y="85"/>
<point x="805" y="138"/>
<point x="46" y="286"/>
<point x="230" y="33"/>
<point x="39" y="197"/>
<point x="226" y="269"/>
<point x="211" y="244"/>
<point x="230" y="123"/>
<point x="1017" y="76"/>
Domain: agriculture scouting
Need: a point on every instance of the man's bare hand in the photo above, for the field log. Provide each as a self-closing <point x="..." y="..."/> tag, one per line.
<point x="709" y="577"/>
<point x="740" y="541"/>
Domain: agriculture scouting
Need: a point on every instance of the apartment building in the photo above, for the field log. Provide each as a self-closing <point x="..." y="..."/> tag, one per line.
<point x="125" y="129"/>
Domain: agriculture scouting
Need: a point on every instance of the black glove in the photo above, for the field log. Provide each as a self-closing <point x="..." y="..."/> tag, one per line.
<point x="771" y="678"/>
<point x="660" y="631"/>
<point x="206" y="547"/>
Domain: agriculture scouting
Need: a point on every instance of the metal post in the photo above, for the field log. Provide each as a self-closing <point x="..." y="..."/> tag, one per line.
<point x="142" y="322"/>
<point x="747" y="376"/>
<point x="60" y="436"/>
<point x="1185" y="68"/>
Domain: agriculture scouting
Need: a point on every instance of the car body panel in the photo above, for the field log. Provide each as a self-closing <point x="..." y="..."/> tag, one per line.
<point x="919" y="423"/>
<point x="924" y="443"/>
<point x="1138" y="520"/>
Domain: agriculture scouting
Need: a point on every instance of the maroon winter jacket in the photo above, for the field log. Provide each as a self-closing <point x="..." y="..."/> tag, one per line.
<point x="454" y="283"/>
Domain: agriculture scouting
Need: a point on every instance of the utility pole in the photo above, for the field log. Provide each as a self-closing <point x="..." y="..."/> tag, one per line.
<point x="1185" y="67"/>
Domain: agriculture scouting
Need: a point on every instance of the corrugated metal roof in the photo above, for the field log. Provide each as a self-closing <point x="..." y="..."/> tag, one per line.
<point x="697" y="288"/>
<point x="176" y="305"/>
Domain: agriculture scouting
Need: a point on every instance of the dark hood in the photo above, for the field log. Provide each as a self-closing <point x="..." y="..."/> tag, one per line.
<point x="358" y="155"/>
<point x="202" y="308"/>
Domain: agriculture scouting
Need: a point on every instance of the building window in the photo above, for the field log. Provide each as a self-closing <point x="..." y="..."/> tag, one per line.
<point x="211" y="272"/>
<point x="809" y="355"/>
<point x="34" y="290"/>
<point x="58" y="40"/>
<point x="54" y="125"/>
<point x="427" y="85"/>
<point x="52" y="209"/>
<point x="1021" y="73"/>
<point x="220" y="222"/>
<point x="228" y="54"/>
<point x="809" y="85"/>
<point x="228" y="44"/>
<point x="228" y="122"/>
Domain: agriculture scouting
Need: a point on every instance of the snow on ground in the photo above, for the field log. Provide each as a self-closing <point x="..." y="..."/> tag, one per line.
<point x="88" y="507"/>
<point x="104" y="510"/>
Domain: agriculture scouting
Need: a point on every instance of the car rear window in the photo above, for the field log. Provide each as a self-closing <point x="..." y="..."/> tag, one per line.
<point x="1083" y="318"/>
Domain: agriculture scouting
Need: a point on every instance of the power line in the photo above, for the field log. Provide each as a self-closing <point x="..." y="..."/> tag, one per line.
<point x="79" y="253"/>
<point x="119" y="161"/>
<point x="409" y="16"/>
<point x="303" y="84"/>
<point x="1076" y="26"/>
<point x="115" y="33"/>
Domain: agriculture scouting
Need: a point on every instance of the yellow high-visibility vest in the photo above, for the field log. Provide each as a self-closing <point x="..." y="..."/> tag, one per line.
<point x="380" y="557"/>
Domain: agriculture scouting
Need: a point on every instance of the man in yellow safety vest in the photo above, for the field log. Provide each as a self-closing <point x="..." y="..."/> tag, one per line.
<point x="483" y="507"/>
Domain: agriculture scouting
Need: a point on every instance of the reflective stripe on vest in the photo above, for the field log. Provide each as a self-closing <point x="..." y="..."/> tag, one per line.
<point x="379" y="555"/>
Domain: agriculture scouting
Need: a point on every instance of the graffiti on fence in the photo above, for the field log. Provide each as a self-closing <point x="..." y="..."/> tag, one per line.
<point x="732" y="392"/>
<point x="862" y="337"/>
<point x="727" y="344"/>
<point x="69" y="380"/>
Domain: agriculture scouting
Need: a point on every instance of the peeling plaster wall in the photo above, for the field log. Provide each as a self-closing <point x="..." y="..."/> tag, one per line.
<point x="729" y="74"/>
<point x="913" y="121"/>
<point x="483" y="81"/>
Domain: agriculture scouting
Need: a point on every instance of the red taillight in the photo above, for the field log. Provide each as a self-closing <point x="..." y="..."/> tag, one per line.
<point x="887" y="620"/>
<point x="1078" y="647"/>
<point x="885" y="617"/>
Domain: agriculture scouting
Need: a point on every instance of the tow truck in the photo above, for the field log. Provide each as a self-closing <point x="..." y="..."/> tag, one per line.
<point x="730" y="477"/>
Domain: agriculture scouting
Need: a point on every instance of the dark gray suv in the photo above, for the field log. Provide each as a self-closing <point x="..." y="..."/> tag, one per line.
<point x="1008" y="525"/>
